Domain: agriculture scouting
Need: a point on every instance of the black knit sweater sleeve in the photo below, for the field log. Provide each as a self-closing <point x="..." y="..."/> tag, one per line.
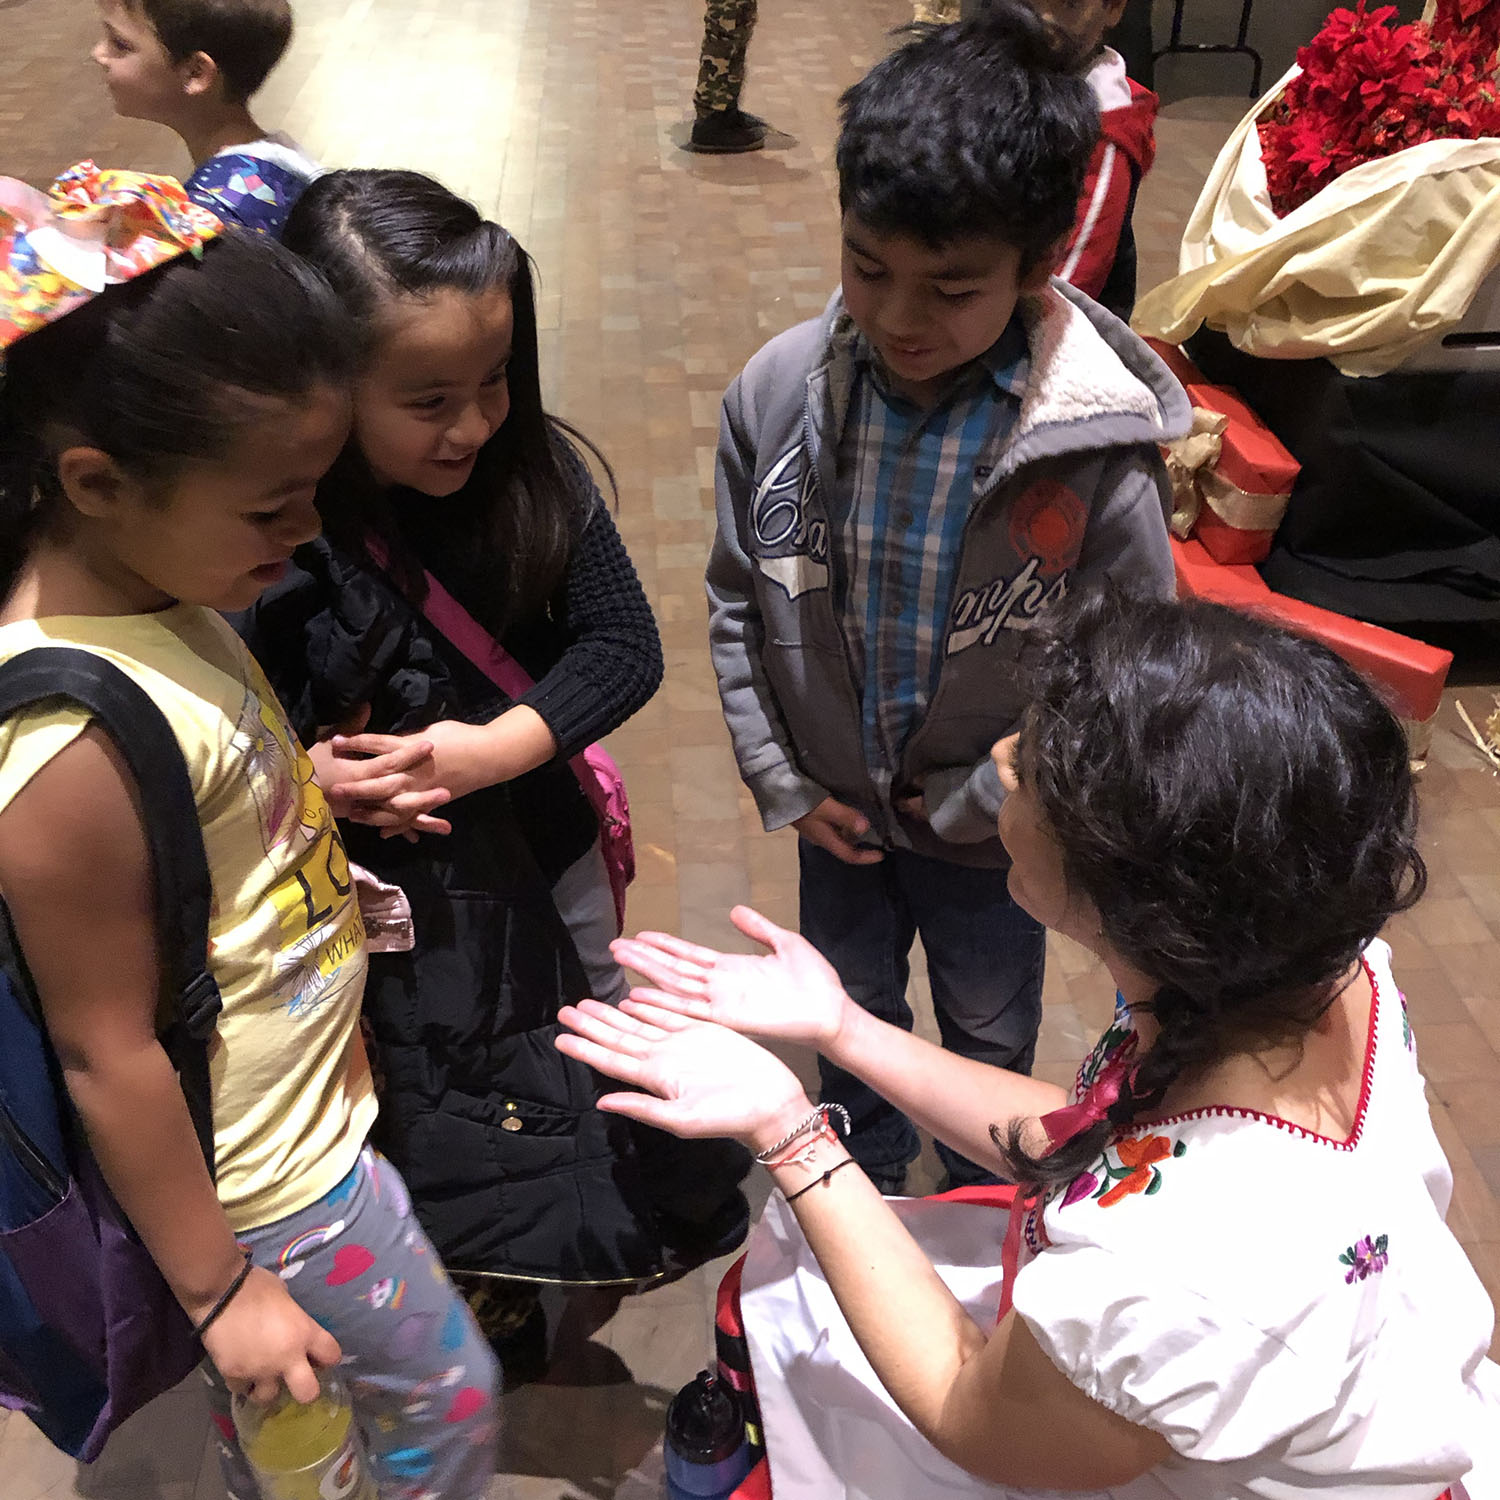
<point x="612" y="664"/>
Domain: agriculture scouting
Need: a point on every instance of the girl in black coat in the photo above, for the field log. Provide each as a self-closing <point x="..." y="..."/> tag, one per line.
<point x="456" y="473"/>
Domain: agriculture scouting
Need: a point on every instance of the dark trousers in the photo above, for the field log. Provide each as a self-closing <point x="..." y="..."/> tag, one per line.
<point x="984" y="959"/>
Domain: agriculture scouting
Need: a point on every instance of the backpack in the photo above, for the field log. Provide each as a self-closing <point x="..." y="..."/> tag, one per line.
<point x="89" y="1329"/>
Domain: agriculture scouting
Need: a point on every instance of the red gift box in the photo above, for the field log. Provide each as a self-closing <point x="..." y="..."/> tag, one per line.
<point x="1410" y="674"/>
<point x="1177" y="362"/>
<point x="1232" y="500"/>
<point x="1245" y="492"/>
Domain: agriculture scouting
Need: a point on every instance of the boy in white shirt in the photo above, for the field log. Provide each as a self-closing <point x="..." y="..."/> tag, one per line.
<point x="193" y="66"/>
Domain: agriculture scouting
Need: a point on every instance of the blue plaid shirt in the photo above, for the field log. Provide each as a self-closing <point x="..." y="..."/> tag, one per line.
<point x="908" y="482"/>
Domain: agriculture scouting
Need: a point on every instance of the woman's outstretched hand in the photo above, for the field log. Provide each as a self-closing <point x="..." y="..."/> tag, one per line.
<point x="700" y="1080"/>
<point x="791" y="992"/>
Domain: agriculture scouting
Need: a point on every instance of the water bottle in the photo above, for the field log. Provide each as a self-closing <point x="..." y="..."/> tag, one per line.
<point x="310" y="1452"/>
<point x="707" y="1455"/>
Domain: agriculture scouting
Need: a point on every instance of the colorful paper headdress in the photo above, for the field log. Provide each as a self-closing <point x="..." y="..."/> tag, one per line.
<point x="93" y="229"/>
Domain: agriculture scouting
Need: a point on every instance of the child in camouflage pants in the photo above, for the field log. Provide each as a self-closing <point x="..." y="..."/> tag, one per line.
<point x="719" y="125"/>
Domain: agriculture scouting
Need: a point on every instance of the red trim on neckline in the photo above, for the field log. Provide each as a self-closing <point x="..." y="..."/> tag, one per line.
<point x="1240" y="1112"/>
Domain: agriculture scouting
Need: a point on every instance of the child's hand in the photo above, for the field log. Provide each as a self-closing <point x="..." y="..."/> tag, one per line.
<point x="464" y="757"/>
<point x="387" y="782"/>
<point x="791" y="992"/>
<point x="914" y="806"/>
<point x="834" y="825"/>
<point x="263" y="1340"/>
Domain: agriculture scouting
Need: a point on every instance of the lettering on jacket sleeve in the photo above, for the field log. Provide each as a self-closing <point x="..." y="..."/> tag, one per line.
<point x="791" y="546"/>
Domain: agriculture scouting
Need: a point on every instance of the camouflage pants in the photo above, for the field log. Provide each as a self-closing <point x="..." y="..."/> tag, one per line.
<point x="727" y="25"/>
<point x="940" y="12"/>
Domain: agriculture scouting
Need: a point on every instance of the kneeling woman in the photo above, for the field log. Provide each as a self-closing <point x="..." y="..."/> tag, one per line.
<point x="1234" y="1278"/>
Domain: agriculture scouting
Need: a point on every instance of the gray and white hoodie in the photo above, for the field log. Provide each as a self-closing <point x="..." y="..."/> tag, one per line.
<point x="1075" y="490"/>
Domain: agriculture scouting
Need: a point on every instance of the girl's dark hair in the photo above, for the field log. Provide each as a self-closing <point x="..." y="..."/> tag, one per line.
<point x="162" y="370"/>
<point x="984" y="127"/>
<point x="1237" y="805"/>
<point x="378" y="234"/>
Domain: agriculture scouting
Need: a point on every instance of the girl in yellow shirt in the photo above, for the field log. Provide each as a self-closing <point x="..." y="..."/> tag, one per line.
<point x="160" y="444"/>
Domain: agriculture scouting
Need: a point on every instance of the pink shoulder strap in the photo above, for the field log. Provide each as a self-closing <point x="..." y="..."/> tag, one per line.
<point x="454" y="621"/>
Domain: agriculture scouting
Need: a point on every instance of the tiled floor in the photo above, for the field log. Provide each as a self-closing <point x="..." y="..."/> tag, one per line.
<point x="661" y="272"/>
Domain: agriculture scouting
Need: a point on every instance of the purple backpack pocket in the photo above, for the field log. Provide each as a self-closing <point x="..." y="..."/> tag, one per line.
<point x="89" y="1329"/>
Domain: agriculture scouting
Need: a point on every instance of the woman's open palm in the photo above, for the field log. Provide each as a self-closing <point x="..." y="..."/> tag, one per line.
<point x="700" y="1080"/>
<point x="791" y="992"/>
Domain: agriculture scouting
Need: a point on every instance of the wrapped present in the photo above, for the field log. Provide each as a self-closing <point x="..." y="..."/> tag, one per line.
<point x="1231" y="477"/>
<point x="1409" y="674"/>
<point x="1174" y="357"/>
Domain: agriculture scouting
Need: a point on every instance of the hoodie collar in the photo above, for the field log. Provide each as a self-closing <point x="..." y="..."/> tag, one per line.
<point x="1091" y="384"/>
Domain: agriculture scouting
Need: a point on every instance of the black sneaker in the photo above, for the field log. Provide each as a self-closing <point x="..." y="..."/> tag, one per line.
<point x="727" y="132"/>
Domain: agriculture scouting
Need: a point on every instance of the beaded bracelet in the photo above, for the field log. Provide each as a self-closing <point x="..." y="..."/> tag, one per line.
<point x="819" y="1117"/>
<point x="240" y="1278"/>
<point x="838" y="1166"/>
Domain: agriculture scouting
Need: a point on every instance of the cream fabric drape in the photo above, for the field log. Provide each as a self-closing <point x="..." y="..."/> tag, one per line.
<point x="1381" y="262"/>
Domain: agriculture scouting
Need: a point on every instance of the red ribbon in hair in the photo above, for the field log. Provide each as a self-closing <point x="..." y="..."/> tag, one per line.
<point x="1098" y="1099"/>
<point x="1060" y="1126"/>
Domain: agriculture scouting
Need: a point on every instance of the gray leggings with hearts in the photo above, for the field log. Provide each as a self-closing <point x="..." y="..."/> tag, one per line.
<point x="423" y="1379"/>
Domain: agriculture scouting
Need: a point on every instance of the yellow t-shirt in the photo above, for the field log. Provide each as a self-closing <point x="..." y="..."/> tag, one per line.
<point x="292" y="1095"/>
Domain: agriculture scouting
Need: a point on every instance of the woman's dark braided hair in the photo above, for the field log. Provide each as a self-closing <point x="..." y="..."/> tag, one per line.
<point x="1238" y="807"/>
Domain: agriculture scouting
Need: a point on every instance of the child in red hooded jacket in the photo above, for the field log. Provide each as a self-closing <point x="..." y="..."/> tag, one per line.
<point x="1100" y="254"/>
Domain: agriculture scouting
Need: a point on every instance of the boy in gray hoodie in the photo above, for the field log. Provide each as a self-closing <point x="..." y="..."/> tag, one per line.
<point x="903" y="485"/>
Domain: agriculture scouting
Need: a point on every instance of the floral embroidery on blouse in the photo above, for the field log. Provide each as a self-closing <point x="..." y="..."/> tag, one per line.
<point x="1137" y="1170"/>
<point x="1034" y="1228"/>
<point x="1364" y="1258"/>
<point x="1406" y="1035"/>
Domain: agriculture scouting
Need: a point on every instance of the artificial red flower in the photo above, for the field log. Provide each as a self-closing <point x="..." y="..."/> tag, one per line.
<point x="1369" y="87"/>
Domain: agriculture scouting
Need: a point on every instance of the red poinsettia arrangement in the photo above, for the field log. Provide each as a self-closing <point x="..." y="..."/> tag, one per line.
<point x="1370" y="87"/>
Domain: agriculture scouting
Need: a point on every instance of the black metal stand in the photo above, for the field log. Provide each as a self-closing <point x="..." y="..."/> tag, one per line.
<point x="1239" y="45"/>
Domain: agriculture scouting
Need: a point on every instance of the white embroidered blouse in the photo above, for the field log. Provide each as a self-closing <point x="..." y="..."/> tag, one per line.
<point x="1290" y="1312"/>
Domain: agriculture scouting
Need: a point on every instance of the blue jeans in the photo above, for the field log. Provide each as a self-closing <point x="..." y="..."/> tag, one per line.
<point x="984" y="959"/>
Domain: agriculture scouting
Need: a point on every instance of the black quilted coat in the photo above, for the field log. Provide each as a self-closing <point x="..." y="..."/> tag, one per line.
<point x="511" y="1169"/>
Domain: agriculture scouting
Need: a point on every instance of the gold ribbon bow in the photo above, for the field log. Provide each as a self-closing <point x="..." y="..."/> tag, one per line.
<point x="1192" y="466"/>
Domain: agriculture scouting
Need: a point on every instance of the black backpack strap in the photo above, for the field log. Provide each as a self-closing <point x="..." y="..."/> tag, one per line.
<point x="184" y="890"/>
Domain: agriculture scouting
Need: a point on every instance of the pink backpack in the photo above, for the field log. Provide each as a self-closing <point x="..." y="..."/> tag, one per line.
<point x="594" y="767"/>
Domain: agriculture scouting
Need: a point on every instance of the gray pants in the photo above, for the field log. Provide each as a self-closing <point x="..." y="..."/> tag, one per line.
<point x="423" y="1380"/>
<point x="587" y="906"/>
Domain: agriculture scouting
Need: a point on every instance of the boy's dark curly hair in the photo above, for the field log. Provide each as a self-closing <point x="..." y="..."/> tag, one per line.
<point x="981" y="128"/>
<point x="1238" y="807"/>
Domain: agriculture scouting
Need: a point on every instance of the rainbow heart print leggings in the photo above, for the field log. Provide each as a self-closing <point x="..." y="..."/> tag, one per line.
<point x="424" y="1381"/>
